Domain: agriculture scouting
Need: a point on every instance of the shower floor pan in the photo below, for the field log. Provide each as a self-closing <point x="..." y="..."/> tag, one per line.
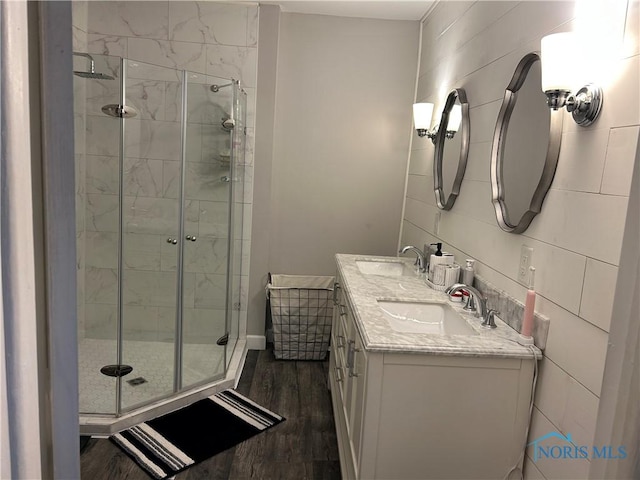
<point x="152" y="361"/>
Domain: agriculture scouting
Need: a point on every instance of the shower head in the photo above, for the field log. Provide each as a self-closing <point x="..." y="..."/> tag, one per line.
<point x="96" y="75"/>
<point x="92" y="69"/>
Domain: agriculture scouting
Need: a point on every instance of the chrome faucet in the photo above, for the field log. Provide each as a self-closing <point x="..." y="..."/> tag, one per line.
<point x="421" y="260"/>
<point x="480" y="301"/>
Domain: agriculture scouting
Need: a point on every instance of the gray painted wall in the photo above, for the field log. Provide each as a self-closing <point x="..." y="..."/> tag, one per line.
<point x="331" y="178"/>
<point x="341" y="139"/>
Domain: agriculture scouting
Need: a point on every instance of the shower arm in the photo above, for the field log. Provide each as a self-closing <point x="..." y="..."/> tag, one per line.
<point x="92" y="63"/>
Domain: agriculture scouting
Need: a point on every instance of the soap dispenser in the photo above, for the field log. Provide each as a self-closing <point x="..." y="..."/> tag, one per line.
<point x="435" y="259"/>
<point x="468" y="273"/>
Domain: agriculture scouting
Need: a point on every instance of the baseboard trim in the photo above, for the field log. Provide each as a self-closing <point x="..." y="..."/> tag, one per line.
<point x="256" y="342"/>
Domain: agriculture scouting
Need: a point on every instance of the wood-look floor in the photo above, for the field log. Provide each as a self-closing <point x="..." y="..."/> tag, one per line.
<point x="302" y="447"/>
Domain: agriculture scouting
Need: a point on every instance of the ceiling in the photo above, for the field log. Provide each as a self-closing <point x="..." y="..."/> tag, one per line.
<point x="388" y="10"/>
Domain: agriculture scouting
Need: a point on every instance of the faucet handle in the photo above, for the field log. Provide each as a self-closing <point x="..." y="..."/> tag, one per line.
<point x="470" y="303"/>
<point x="490" y="322"/>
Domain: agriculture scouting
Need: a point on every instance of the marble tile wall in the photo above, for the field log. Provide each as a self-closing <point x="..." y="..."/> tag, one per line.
<point x="577" y="236"/>
<point x="214" y="41"/>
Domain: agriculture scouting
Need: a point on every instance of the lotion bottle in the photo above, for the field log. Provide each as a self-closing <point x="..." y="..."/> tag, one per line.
<point x="468" y="273"/>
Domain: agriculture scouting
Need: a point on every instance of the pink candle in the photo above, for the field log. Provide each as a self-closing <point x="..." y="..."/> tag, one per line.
<point x="529" y="304"/>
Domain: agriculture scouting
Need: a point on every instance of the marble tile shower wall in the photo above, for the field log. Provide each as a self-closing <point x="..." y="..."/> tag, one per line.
<point x="577" y="236"/>
<point x="218" y="40"/>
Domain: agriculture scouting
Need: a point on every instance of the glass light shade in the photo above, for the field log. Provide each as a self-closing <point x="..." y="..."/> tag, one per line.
<point x="422" y="113"/>
<point x="455" y="118"/>
<point x="557" y="62"/>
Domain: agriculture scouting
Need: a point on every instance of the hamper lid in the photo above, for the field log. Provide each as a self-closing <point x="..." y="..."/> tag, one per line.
<point x="301" y="281"/>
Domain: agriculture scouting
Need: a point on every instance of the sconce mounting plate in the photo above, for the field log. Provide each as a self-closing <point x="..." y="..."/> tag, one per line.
<point x="585" y="104"/>
<point x="430" y="134"/>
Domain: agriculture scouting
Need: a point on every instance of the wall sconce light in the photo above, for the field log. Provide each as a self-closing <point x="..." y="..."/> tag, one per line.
<point x="422" y="114"/>
<point x="455" y="119"/>
<point x="560" y="75"/>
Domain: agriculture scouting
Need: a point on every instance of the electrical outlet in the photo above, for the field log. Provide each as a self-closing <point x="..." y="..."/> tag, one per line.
<point x="526" y="255"/>
<point x="436" y="224"/>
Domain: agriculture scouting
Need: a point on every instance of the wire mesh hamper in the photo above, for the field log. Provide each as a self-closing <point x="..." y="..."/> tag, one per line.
<point x="301" y="311"/>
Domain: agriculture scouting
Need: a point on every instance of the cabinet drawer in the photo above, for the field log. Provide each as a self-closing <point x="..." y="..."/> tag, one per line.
<point x="346" y="464"/>
<point x="358" y="377"/>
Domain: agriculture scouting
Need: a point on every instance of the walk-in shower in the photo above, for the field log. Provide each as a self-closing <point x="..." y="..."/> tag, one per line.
<point x="159" y="210"/>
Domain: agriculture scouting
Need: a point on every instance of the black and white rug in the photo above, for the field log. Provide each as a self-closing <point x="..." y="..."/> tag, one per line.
<point x="173" y="442"/>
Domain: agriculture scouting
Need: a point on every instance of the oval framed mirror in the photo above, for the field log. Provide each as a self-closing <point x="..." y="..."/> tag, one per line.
<point x="525" y="149"/>
<point x="452" y="149"/>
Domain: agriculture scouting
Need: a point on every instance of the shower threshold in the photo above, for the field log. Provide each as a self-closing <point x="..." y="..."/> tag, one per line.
<point x="105" y="425"/>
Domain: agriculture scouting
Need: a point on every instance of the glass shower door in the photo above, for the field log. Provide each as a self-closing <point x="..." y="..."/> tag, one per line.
<point x="236" y="224"/>
<point x="207" y="180"/>
<point x="151" y="215"/>
<point x="160" y="199"/>
<point x="97" y="140"/>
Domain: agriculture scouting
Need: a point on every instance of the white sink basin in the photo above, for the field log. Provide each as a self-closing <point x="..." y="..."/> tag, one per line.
<point x="416" y="317"/>
<point x="390" y="269"/>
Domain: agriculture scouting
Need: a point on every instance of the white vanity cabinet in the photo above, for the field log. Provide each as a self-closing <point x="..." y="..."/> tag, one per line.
<point x="415" y="415"/>
<point x="348" y="374"/>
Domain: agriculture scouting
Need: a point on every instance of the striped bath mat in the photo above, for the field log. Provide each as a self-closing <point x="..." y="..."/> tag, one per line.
<point x="173" y="442"/>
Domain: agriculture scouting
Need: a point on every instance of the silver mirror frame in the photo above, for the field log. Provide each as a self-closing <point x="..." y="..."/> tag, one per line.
<point x="497" y="152"/>
<point x="460" y="95"/>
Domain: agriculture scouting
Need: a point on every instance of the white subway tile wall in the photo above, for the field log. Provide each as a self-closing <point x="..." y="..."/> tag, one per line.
<point x="576" y="238"/>
<point x="531" y="472"/>
<point x="554" y="468"/>
<point x="622" y="145"/>
<point x="597" y="294"/>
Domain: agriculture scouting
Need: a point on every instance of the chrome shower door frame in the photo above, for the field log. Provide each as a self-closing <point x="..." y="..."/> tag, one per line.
<point x="126" y="131"/>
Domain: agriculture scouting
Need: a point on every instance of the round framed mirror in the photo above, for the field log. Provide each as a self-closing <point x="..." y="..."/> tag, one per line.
<point x="452" y="149"/>
<point x="525" y="149"/>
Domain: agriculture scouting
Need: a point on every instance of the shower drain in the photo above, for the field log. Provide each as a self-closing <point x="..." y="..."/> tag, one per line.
<point x="134" y="382"/>
<point x="116" y="370"/>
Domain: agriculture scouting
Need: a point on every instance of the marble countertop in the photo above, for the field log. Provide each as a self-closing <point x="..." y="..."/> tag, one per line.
<point x="363" y="292"/>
